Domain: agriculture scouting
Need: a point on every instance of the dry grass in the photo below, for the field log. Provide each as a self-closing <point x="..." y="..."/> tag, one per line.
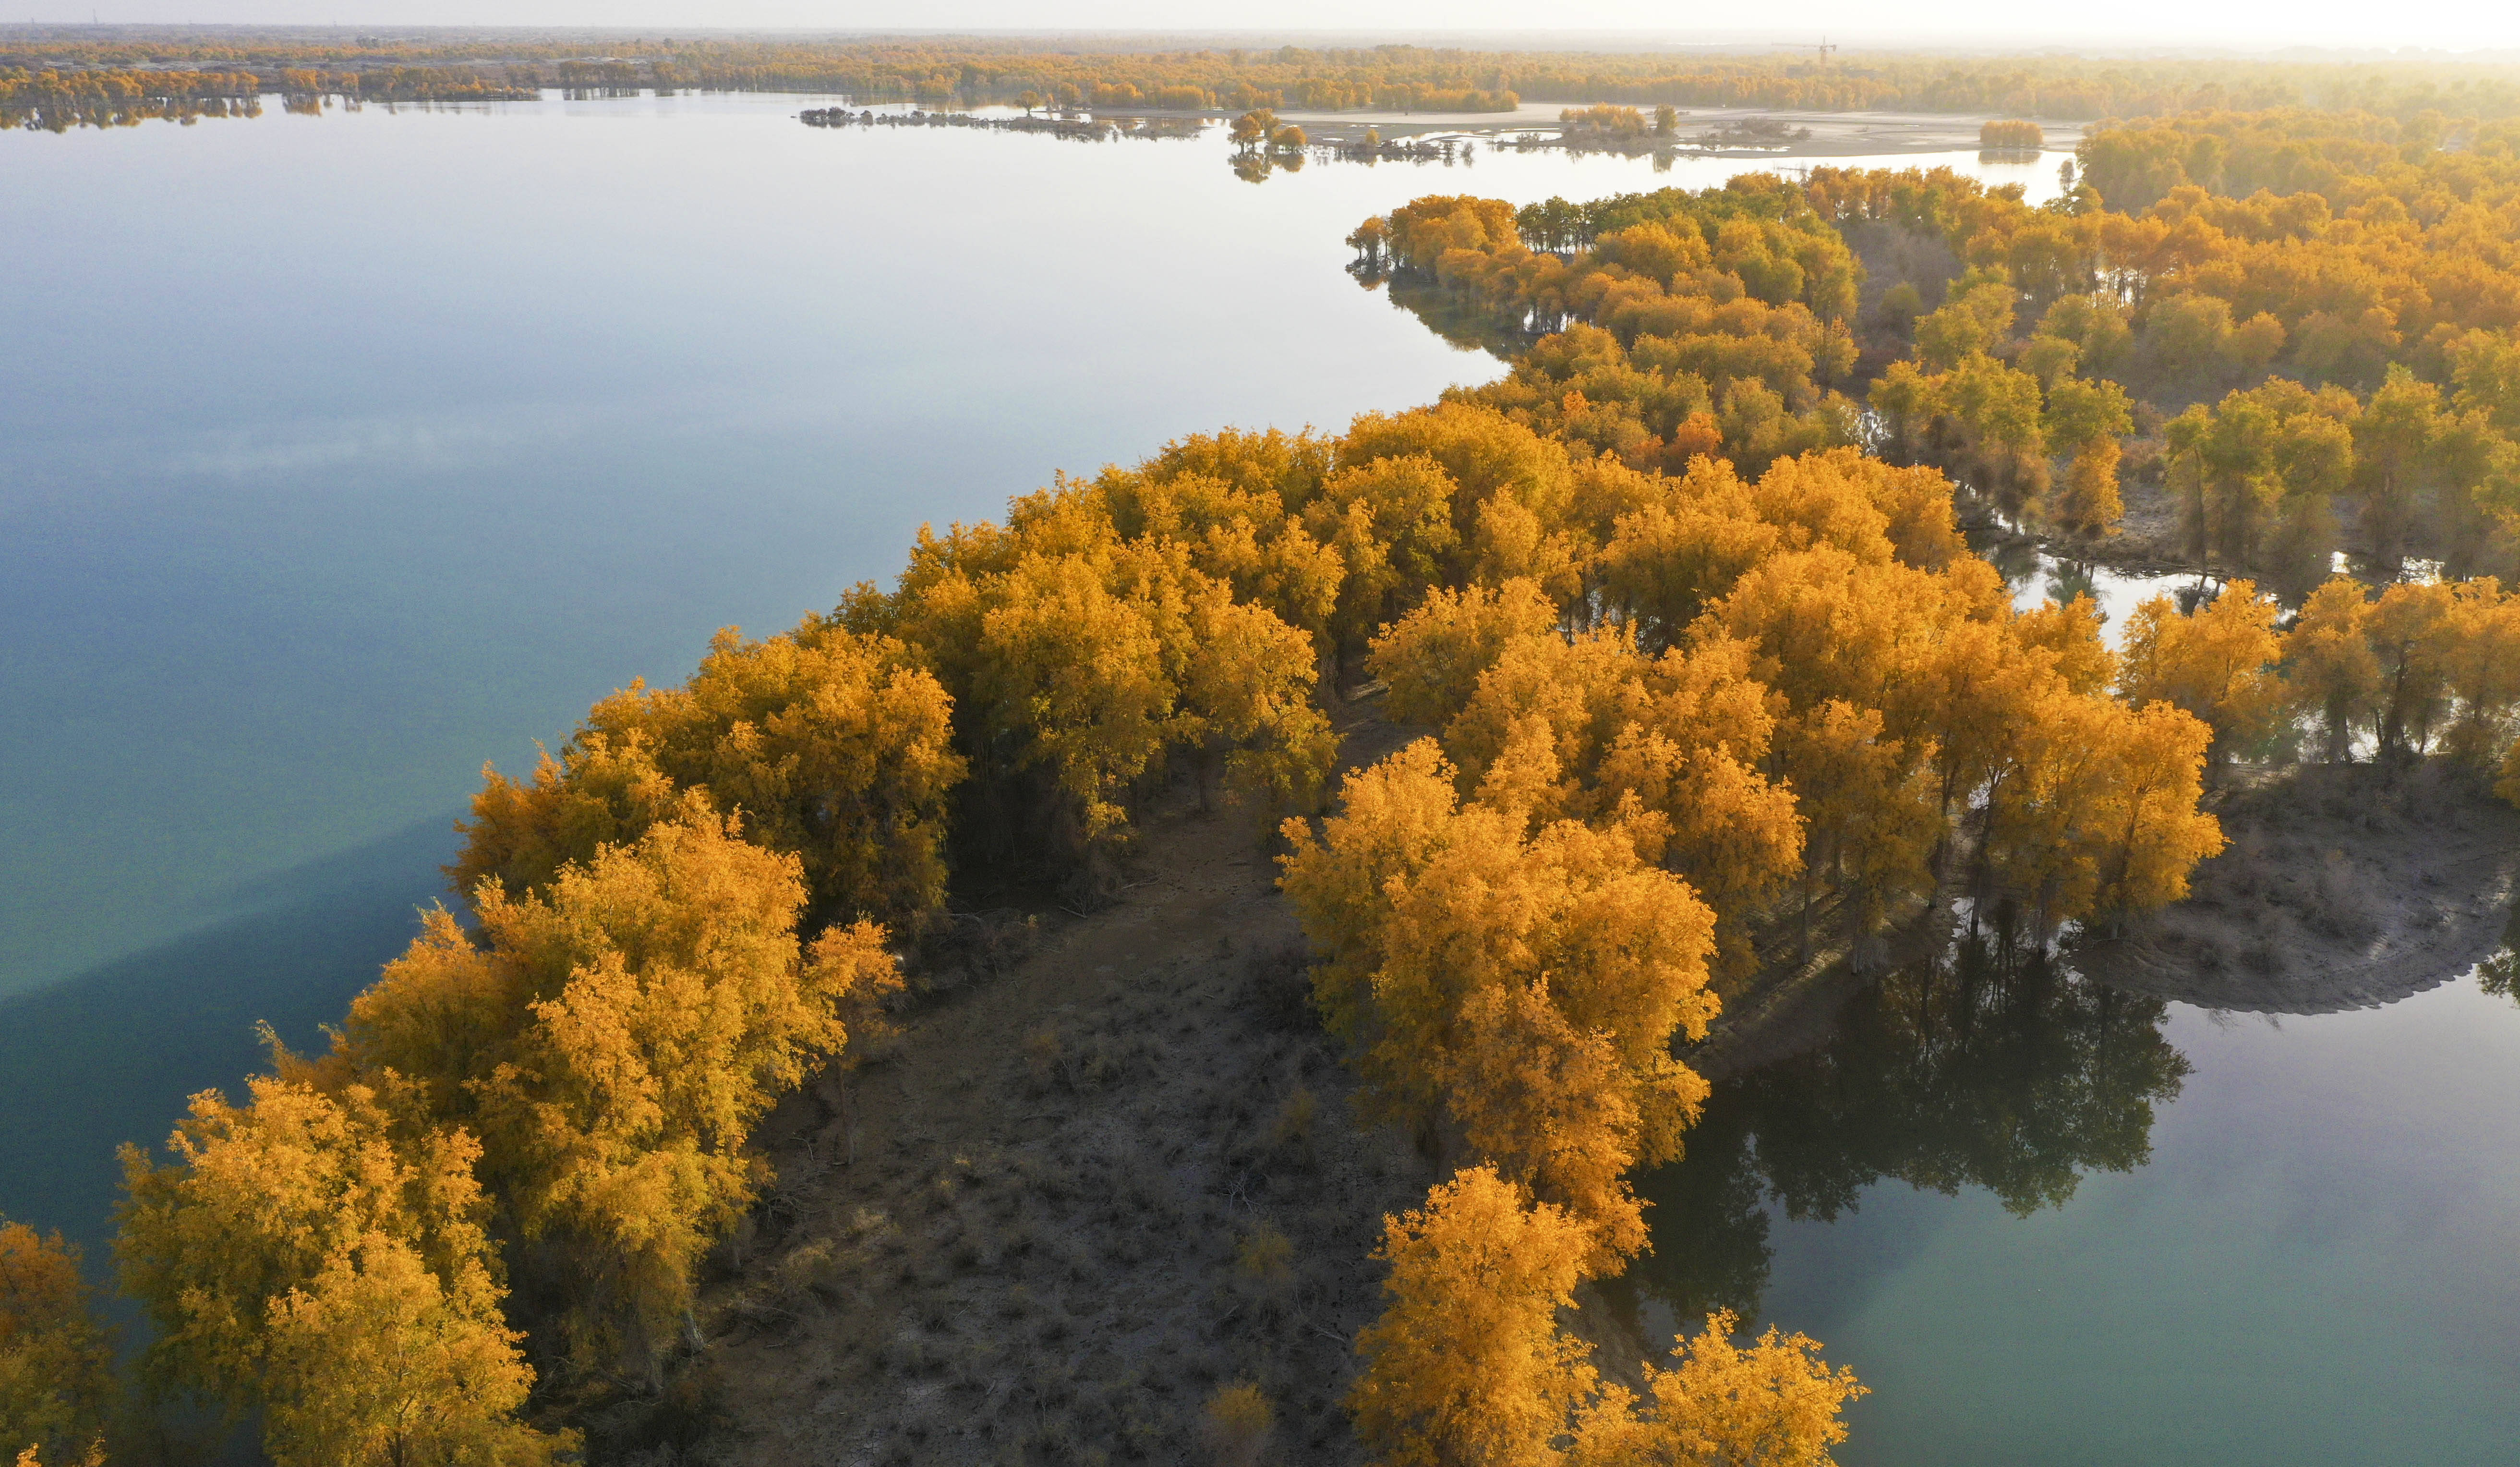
<point x="2343" y="887"/>
<point x="1106" y="1178"/>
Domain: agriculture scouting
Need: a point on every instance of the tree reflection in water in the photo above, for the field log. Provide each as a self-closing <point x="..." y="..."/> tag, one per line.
<point x="2500" y="973"/>
<point x="1973" y="1070"/>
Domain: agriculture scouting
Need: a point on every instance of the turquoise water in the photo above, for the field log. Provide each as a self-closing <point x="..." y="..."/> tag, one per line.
<point x="344" y="453"/>
<point x="2315" y="1267"/>
<point x="2050" y="1223"/>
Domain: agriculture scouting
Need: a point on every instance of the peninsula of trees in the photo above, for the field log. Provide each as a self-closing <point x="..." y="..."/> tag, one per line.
<point x="1690" y="725"/>
<point x="64" y="77"/>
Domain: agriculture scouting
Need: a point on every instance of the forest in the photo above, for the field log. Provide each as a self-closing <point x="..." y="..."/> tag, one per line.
<point x="2298" y="326"/>
<point x="1699" y="682"/>
<point x="67" y="77"/>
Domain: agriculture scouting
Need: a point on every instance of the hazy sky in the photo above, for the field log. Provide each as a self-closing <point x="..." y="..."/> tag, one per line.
<point x="2253" y="24"/>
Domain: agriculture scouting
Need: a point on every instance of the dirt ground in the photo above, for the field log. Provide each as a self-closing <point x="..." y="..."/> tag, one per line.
<point x="1076" y="1199"/>
<point x="2343" y="887"/>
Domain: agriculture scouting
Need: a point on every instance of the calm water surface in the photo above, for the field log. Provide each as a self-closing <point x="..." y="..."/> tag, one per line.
<point x="2051" y="1222"/>
<point x="345" y="454"/>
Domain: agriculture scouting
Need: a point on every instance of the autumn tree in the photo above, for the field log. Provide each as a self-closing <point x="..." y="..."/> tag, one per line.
<point x="1720" y="1405"/>
<point x="386" y="1365"/>
<point x="1682" y="543"/>
<point x="1669" y="748"/>
<point x="321" y="1257"/>
<point x="1390" y="521"/>
<point x="2329" y="663"/>
<point x="1511" y="491"/>
<point x="2216" y="664"/>
<point x="594" y="794"/>
<point x="1972" y="321"/>
<point x="2096" y="812"/>
<point x="2479" y="656"/>
<point x="2150" y="832"/>
<point x="1234" y="501"/>
<point x="1069" y="646"/>
<point x="1254" y="128"/>
<point x="1870" y="813"/>
<point x="2261" y="469"/>
<point x="1432" y="659"/>
<point x="57" y="1383"/>
<point x="2404" y="627"/>
<point x="2394" y="441"/>
<point x="1681" y="549"/>
<point x="1526" y="983"/>
<point x="612" y="1038"/>
<point x="831" y="745"/>
<point x="2084" y="421"/>
<point x="1467" y="1363"/>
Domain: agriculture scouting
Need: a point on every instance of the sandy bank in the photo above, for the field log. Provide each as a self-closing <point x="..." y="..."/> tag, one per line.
<point x="2344" y="887"/>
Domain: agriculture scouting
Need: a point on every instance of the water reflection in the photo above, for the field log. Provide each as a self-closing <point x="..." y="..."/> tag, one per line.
<point x="2500" y="973"/>
<point x="1462" y="321"/>
<point x="2036" y="575"/>
<point x="2017" y="1076"/>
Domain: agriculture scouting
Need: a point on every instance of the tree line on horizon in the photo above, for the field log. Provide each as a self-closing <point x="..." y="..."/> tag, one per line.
<point x="60" y="80"/>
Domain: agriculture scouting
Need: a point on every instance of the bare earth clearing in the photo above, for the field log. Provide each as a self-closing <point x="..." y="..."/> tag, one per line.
<point x="1076" y="1199"/>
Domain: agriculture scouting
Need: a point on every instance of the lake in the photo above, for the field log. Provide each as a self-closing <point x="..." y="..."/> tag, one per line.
<point x="2048" y="1221"/>
<point x="345" y="454"/>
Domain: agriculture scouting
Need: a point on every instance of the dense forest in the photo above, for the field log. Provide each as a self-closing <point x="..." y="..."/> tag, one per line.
<point x="2324" y="363"/>
<point x="1706" y="685"/>
<point x="68" y="77"/>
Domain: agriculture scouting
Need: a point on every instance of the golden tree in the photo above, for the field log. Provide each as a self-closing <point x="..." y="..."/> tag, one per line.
<point x="2329" y="661"/>
<point x="2479" y="656"/>
<point x="2084" y="421"/>
<point x="1071" y="649"/>
<point x="293" y="1242"/>
<point x="614" y="1037"/>
<point x="57" y="1385"/>
<point x="1776" y="1404"/>
<point x="1432" y="659"/>
<point x="2406" y="627"/>
<point x="829" y="743"/>
<point x="1869" y="809"/>
<point x="1527" y="985"/>
<point x="2096" y="811"/>
<point x="383" y="1364"/>
<point x="595" y="793"/>
<point x="2217" y="664"/>
<point x="1588" y="729"/>
<point x="1466" y="1363"/>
